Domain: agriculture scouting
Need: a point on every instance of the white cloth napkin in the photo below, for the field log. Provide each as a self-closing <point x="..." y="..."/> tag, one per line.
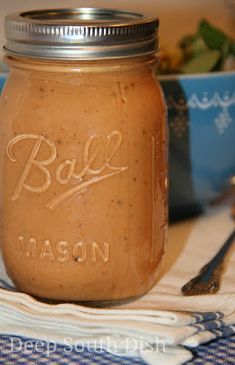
<point x="156" y="326"/>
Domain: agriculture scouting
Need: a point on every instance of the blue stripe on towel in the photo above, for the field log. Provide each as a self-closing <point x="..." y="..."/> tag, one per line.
<point x="224" y="331"/>
<point x="208" y="326"/>
<point x="207" y="316"/>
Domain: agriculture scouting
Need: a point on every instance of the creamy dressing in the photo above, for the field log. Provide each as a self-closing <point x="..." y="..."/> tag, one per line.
<point x="83" y="178"/>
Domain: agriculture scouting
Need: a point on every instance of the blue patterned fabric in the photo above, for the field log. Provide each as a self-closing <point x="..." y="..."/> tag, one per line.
<point x="61" y="356"/>
<point x="219" y="352"/>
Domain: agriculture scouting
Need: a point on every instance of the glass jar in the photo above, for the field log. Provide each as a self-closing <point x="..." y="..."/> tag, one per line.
<point x="84" y="155"/>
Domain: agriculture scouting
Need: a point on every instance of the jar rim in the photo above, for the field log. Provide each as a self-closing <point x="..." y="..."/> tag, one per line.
<point x="81" y="33"/>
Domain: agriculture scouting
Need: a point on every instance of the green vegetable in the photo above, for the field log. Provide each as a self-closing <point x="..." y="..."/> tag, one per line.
<point x="213" y="37"/>
<point x="209" y="49"/>
<point x="203" y="62"/>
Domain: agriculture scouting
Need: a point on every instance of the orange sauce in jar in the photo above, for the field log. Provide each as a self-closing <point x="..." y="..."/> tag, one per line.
<point x="83" y="176"/>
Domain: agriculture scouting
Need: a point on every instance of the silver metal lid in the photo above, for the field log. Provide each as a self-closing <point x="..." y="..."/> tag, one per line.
<point x="80" y="33"/>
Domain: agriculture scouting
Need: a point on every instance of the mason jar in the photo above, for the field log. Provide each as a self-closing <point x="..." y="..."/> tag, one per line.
<point x="83" y="155"/>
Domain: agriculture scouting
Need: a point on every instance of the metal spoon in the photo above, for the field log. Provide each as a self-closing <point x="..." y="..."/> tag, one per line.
<point x="209" y="278"/>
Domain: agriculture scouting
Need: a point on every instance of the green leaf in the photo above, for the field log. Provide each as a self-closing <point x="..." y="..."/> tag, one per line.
<point x="213" y="37"/>
<point x="204" y="62"/>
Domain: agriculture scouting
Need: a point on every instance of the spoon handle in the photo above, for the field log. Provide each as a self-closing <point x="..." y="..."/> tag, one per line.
<point x="209" y="277"/>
